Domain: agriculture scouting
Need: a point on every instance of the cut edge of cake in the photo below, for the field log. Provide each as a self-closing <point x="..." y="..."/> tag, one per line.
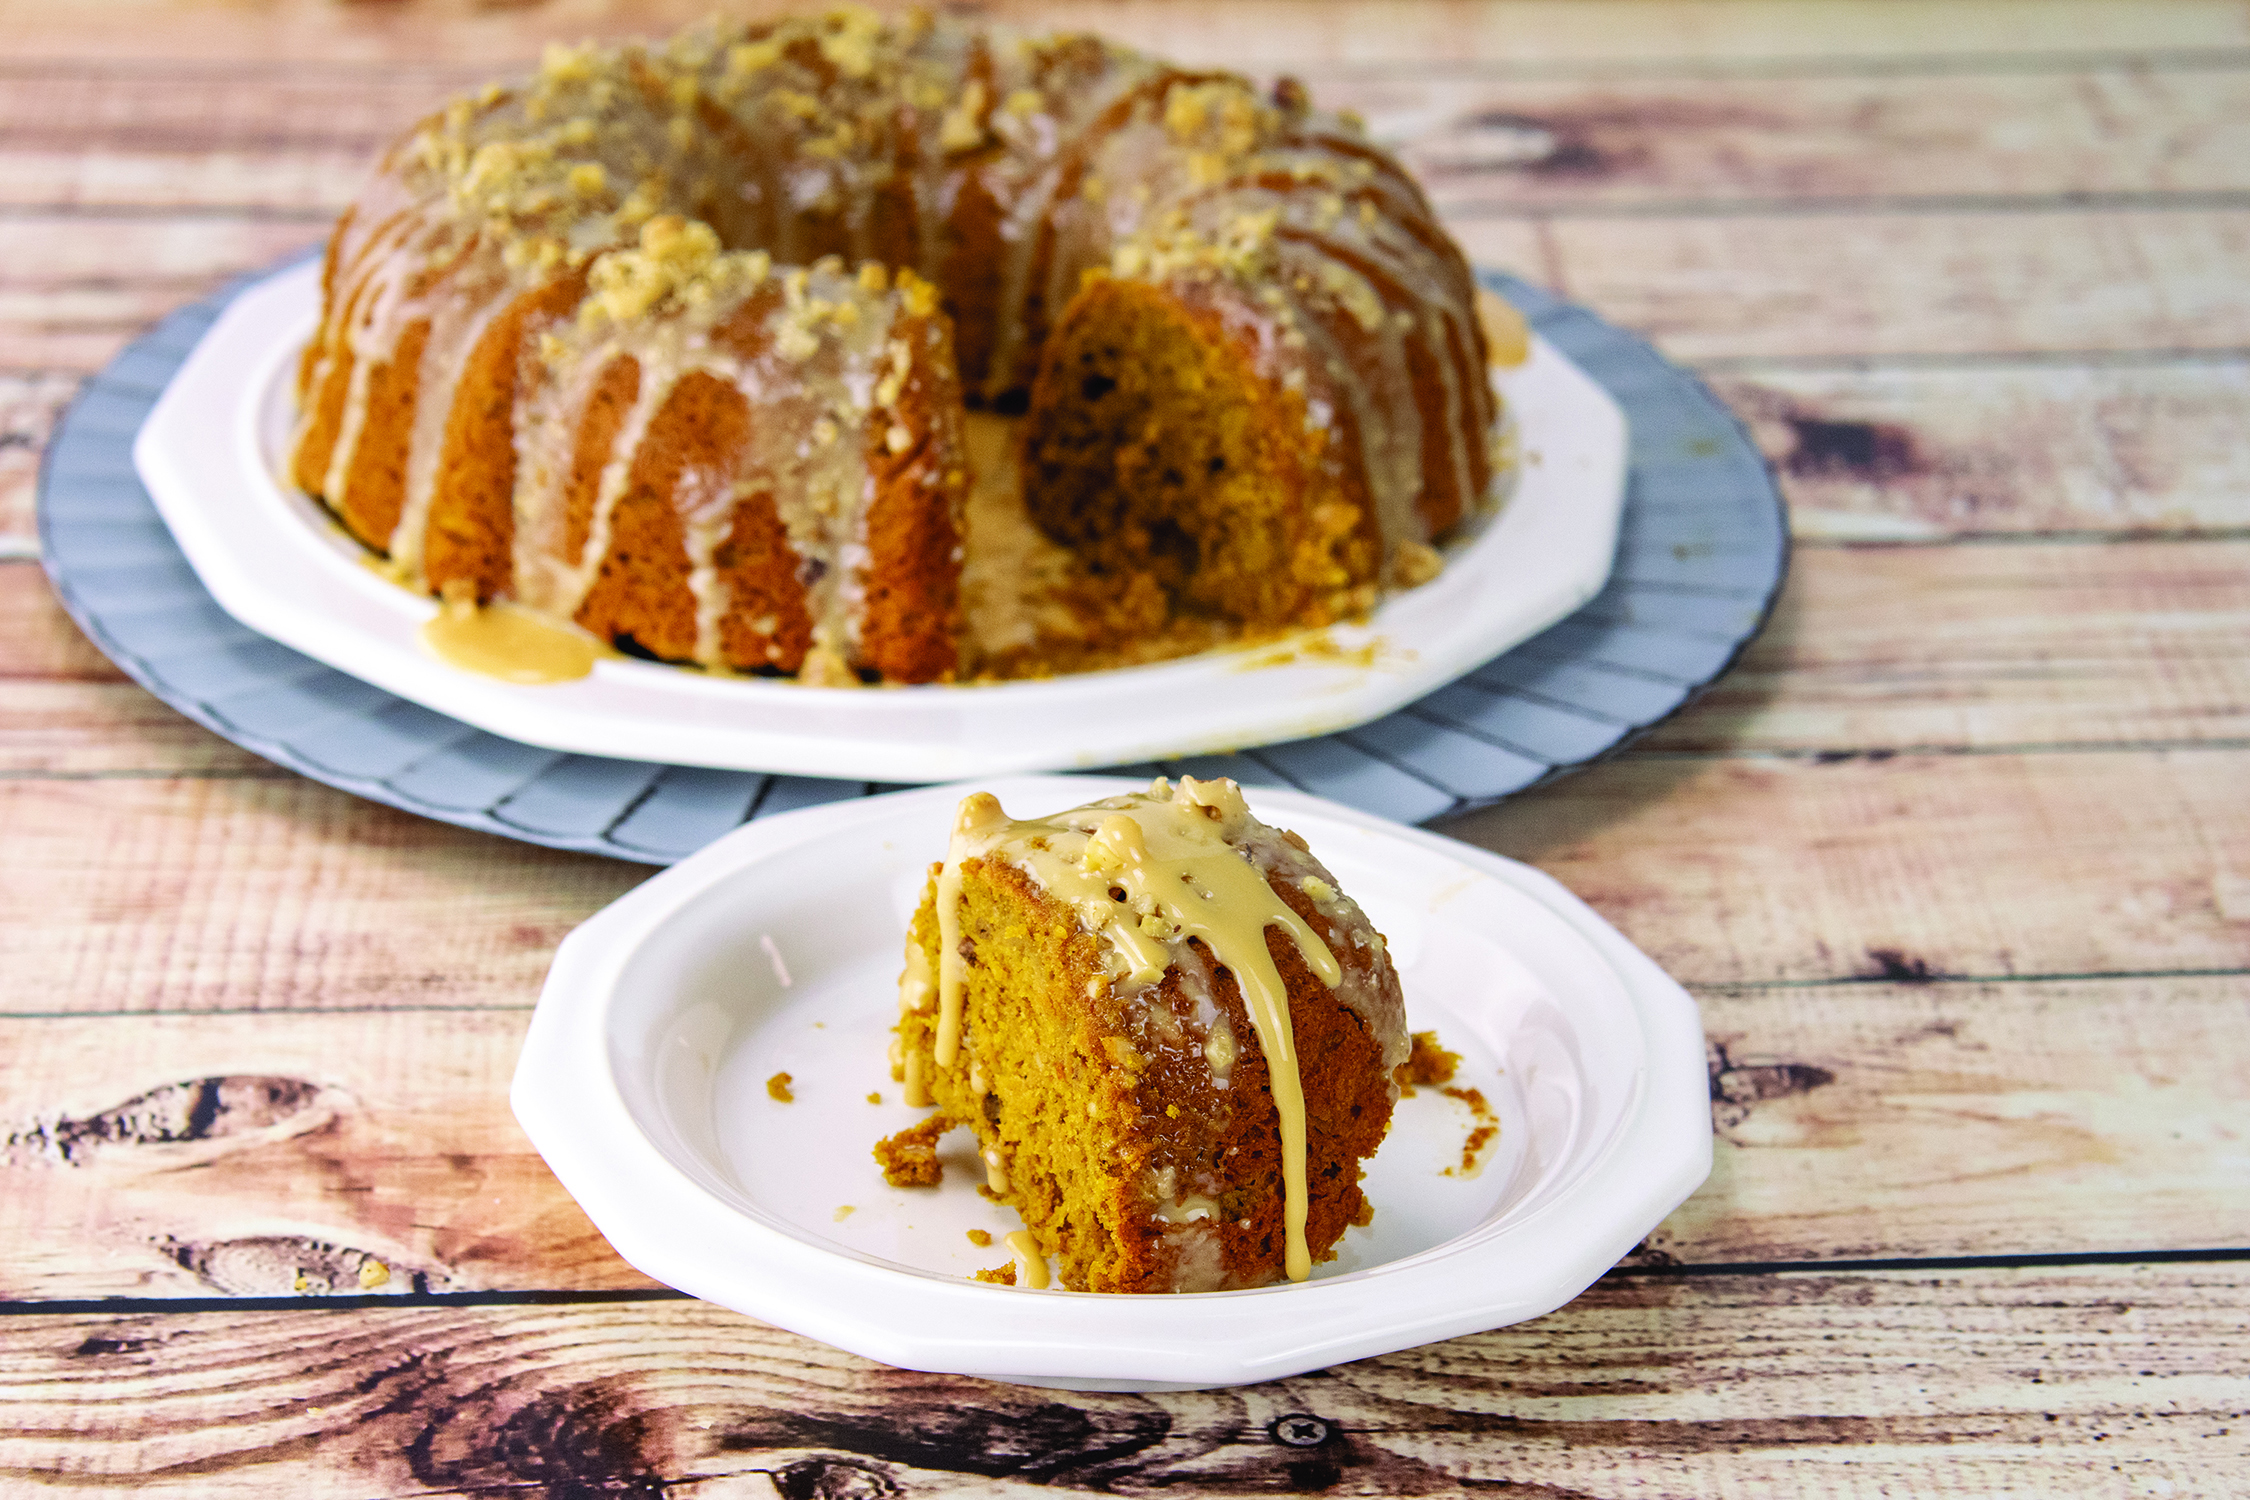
<point x="1173" y="1036"/>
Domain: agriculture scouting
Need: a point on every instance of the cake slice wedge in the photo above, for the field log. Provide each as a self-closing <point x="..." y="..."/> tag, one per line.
<point x="1171" y="1032"/>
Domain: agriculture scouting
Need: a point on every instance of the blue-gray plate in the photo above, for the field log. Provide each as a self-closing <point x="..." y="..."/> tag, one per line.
<point x="1701" y="554"/>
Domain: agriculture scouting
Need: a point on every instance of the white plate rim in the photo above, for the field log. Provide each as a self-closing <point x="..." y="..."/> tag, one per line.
<point x="271" y="562"/>
<point x="568" y="1100"/>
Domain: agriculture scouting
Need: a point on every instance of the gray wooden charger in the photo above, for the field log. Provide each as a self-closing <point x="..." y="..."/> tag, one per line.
<point x="1700" y="558"/>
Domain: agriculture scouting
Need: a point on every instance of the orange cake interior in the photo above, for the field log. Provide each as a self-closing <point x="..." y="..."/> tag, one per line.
<point x="1172" y="1035"/>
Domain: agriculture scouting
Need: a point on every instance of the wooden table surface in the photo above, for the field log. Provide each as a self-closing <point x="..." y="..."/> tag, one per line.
<point x="1957" y="860"/>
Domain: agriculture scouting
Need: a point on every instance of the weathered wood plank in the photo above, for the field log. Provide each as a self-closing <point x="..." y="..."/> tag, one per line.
<point x="1861" y="1122"/>
<point x="2109" y="1381"/>
<point x="1370" y="33"/>
<point x="2065" y="863"/>
<point x="173" y="894"/>
<point x="44" y="253"/>
<point x="240" y="894"/>
<point x="1865" y="453"/>
<point x="1881" y="453"/>
<point x="29" y="404"/>
<point x="78" y="729"/>
<point x="302" y="140"/>
<point x="1988" y="647"/>
<point x="38" y="640"/>
<point x="186" y="1155"/>
<point x="1869" y="284"/>
<point x="1704" y="287"/>
<point x="1510" y="146"/>
<point x="299" y="180"/>
<point x="104" y="103"/>
<point x="1920" y="454"/>
<point x="1870" y="648"/>
<point x="77" y="330"/>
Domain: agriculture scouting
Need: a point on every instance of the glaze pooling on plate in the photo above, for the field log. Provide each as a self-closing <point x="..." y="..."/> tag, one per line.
<point x="508" y="641"/>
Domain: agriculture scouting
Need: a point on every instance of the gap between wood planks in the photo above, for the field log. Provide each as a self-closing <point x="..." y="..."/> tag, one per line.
<point x="573" y="1297"/>
<point x="1873" y="204"/>
<point x="441" y="75"/>
<point x="1897" y="975"/>
<point x="2157" y="59"/>
<point x="1943" y="1385"/>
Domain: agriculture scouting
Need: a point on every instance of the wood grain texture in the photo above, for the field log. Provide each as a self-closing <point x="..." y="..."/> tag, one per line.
<point x="1708" y="286"/>
<point x="99" y="134"/>
<point x="242" y="894"/>
<point x="61" y="252"/>
<point x="1873" y="284"/>
<point x="1968" y="271"/>
<point x="1527" y="144"/>
<point x="29" y="404"/>
<point x="75" y="334"/>
<point x="1870" y="649"/>
<point x="1987" y="647"/>
<point x="1665" y="34"/>
<point x="1917" y="454"/>
<point x="1982" y="865"/>
<point x="187" y="1156"/>
<point x="38" y="639"/>
<point x="166" y="893"/>
<point x="192" y="1155"/>
<point x="2108" y="1381"/>
<point x="1970" y="1119"/>
<point x="82" y="729"/>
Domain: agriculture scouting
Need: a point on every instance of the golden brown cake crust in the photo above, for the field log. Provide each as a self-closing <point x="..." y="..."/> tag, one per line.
<point x="1137" y="1130"/>
<point x="472" y="526"/>
<point x="551" y="267"/>
<point x="640" y="599"/>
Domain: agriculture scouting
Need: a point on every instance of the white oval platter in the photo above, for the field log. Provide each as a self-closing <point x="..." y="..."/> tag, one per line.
<point x="212" y="448"/>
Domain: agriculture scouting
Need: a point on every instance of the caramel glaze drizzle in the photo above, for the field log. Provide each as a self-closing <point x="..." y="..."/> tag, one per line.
<point x="1146" y="872"/>
<point x="573" y="196"/>
<point x="507" y="641"/>
<point x="1030" y="1258"/>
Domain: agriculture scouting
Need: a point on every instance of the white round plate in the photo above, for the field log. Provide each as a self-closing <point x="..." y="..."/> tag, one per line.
<point x="777" y="949"/>
<point x="212" y="448"/>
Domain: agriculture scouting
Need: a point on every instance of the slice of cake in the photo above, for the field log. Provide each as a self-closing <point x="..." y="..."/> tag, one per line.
<point x="1172" y="1034"/>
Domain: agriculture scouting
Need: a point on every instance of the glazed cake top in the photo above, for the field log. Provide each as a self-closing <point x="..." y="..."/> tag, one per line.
<point x="1149" y="872"/>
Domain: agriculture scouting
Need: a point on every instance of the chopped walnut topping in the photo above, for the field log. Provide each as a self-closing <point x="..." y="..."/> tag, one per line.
<point x="1416" y="564"/>
<point x="566" y="64"/>
<point x="919" y="297"/>
<point x="745" y="58"/>
<point x="963" y="127"/>
<point x="851" y="46"/>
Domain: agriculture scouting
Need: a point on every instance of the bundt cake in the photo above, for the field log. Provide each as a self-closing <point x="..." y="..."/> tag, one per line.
<point x="674" y="341"/>
<point x="1173" y="1036"/>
